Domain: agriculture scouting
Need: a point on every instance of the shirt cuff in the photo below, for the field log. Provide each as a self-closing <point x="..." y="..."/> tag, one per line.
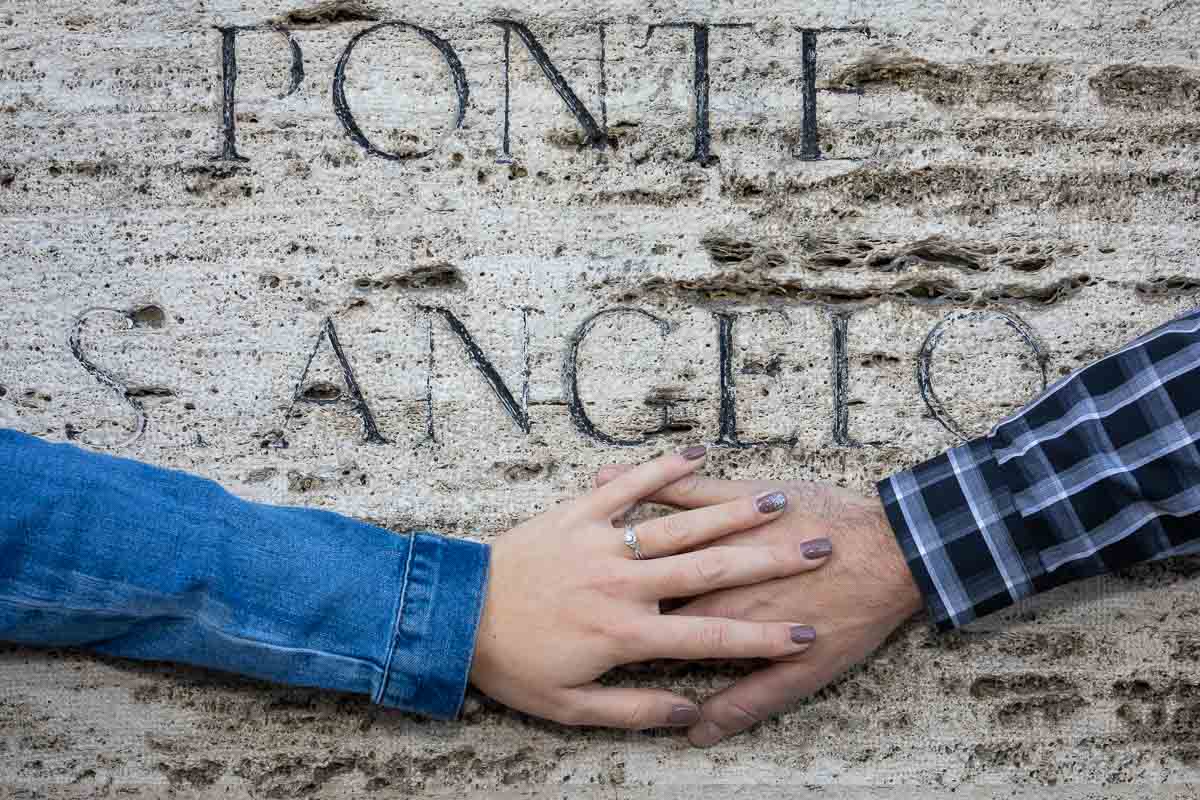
<point x="437" y="617"/>
<point x="962" y="536"/>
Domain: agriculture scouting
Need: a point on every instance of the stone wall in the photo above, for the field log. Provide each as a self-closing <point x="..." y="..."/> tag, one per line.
<point x="987" y="197"/>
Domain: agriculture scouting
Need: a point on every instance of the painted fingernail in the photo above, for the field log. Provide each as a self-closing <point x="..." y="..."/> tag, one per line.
<point x="705" y="734"/>
<point x="770" y="503"/>
<point x="683" y="715"/>
<point x="803" y="634"/>
<point x="694" y="452"/>
<point x="816" y="548"/>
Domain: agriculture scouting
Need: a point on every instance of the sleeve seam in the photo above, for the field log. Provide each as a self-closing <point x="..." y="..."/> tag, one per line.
<point x="480" y="602"/>
<point x="395" y="632"/>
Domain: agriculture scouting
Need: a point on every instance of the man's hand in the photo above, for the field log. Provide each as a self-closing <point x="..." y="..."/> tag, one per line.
<point x="864" y="592"/>
<point x="567" y="600"/>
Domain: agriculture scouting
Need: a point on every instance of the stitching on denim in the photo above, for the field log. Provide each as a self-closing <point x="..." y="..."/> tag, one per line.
<point x="430" y="606"/>
<point x="202" y="623"/>
<point x="99" y="612"/>
<point x="391" y="651"/>
<point x="478" y="614"/>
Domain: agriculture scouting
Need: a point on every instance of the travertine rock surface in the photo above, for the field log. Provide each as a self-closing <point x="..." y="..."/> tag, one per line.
<point x="1005" y="191"/>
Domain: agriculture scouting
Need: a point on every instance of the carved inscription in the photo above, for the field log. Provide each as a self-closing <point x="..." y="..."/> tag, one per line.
<point x="345" y="390"/>
<point x="593" y="126"/>
<point x="341" y="107"/>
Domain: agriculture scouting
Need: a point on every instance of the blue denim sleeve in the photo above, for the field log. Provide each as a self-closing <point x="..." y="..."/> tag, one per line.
<point x="137" y="561"/>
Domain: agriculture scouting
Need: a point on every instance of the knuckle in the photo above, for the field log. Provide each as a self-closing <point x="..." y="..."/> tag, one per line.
<point x="726" y="518"/>
<point x="630" y="641"/>
<point x="674" y="533"/>
<point x="621" y="631"/>
<point x="614" y="582"/>
<point x="714" y="637"/>
<point x="635" y="716"/>
<point x="687" y="486"/>
<point x="710" y="568"/>
<point x="817" y="498"/>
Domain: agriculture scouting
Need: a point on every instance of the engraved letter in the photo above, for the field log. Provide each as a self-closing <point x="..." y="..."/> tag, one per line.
<point x="519" y="412"/>
<point x="109" y="379"/>
<point x="571" y="380"/>
<point x="925" y="360"/>
<point x="325" y="394"/>
<point x="809" y="149"/>
<point x="229" y="73"/>
<point x="841" y="382"/>
<point x="728" y="434"/>
<point x="594" y="135"/>
<point x="342" y="109"/>
<point x="702" y="137"/>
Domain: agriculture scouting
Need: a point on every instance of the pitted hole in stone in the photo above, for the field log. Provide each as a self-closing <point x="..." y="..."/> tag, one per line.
<point x="1147" y="87"/>
<point x="930" y="291"/>
<point x="35" y="399"/>
<point x="150" y="316"/>
<point x="1045" y="295"/>
<point x="273" y="439"/>
<point x="321" y="392"/>
<point x="1030" y="264"/>
<point x="3" y="391"/>
<point x="939" y="252"/>
<point x="1167" y="285"/>
<point x="949" y="84"/>
<point x="725" y="250"/>
<point x="675" y="426"/>
<point x="328" y="12"/>
<point x="438" y="275"/>
<point x="831" y="261"/>
<point x="991" y="686"/>
<point x="261" y="474"/>
<point x="149" y="391"/>
<point x="522" y="471"/>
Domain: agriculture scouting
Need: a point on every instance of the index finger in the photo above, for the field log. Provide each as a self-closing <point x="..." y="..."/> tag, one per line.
<point x="646" y="479"/>
<point x="690" y="491"/>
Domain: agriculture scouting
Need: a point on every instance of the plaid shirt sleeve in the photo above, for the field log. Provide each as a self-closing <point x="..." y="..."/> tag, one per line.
<point x="1102" y="470"/>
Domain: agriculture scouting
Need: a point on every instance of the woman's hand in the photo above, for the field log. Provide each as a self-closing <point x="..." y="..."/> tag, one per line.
<point x="567" y="600"/>
<point x="855" y="602"/>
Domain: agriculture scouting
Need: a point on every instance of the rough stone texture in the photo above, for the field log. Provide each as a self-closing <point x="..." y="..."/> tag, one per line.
<point x="1033" y="158"/>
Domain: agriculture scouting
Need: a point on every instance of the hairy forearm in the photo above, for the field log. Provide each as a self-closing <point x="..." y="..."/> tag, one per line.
<point x="1099" y="472"/>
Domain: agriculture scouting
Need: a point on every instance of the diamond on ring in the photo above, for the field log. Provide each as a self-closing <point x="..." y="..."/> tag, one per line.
<point x="631" y="541"/>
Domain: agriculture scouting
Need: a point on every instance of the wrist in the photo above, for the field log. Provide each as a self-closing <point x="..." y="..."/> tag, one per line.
<point x="906" y="597"/>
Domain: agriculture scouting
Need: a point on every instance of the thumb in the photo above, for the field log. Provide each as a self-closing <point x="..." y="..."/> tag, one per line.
<point x="756" y="697"/>
<point x="632" y="709"/>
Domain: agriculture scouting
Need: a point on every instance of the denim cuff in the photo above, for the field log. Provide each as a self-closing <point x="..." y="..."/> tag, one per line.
<point x="437" y="616"/>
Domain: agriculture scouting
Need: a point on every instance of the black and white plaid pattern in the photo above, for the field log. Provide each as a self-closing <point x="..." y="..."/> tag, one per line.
<point x="1102" y="470"/>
